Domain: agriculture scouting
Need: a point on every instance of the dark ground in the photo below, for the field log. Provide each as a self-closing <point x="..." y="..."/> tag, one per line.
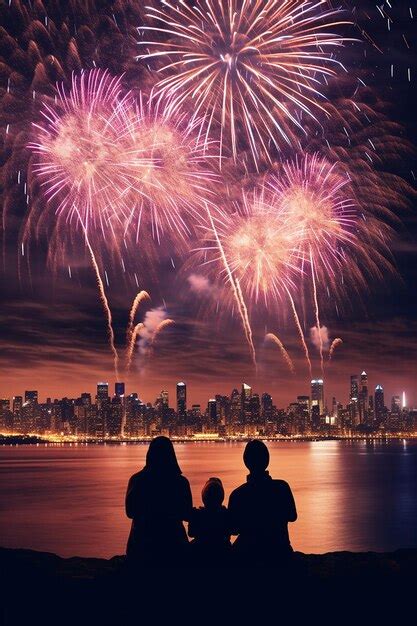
<point x="42" y="588"/>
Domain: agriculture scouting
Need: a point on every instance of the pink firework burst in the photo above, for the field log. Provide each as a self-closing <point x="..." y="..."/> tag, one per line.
<point x="82" y="150"/>
<point x="248" y="67"/>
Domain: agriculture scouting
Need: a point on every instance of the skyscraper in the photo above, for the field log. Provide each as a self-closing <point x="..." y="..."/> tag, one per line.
<point x="266" y="407"/>
<point x="379" y="404"/>
<point x="354" y="388"/>
<point x="119" y="390"/>
<point x="363" y="398"/>
<point x="396" y="404"/>
<point x="317" y="394"/>
<point x="246" y="395"/>
<point x="31" y="396"/>
<point x="17" y="404"/>
<point x="181" y="401"/>
<point x="354" y="400"/>
<point x="164" y="398"/>
<point x="235" y="406"/>
<point x="212" y="411"/>
<point x="102" y="393"/>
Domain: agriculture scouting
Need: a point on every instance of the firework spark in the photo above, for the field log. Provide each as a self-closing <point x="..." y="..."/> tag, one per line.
<point x="160" y="328"/>
<point x="234" y="283"/>
<point x="140" y="297"/>
<point x="132" y="338"/>
<point x="105" y="303"/>
<point x="285" y="355"/>
<point x="259" y="244"/>
<point x="252" y="66"/>
<point x="121" y="165"/>
<point x="82" y="150"/>
<point x="335" y="343"/>
<point x="170" y="177"/>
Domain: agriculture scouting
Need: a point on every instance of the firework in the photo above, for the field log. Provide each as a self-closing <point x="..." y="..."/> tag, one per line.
<point x="140" y="297"/>
<point x="259" y="244"/>
<point x="170" y="177"/>
<point x="284" y="352"/>
<point x="335" y="343"/>
<point x="315" y="195"/>
<point x="234" y="283"/>
<point x="132" y="338"/>
<point x="252" y="250"/>
<point x="250" y="66"/>
<point x="166" y="322"/>
<point x="106" y="307"/>
<point x="82" y="151"/>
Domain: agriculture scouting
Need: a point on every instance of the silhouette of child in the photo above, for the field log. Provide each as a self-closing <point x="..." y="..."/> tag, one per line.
<point x="210" y="527"/>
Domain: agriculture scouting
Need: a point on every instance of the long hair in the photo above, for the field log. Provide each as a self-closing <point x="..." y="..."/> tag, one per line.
<point x="161" y="457"/>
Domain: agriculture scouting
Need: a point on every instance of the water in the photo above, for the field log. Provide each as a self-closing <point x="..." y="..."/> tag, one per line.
<point x="70" y="500"/>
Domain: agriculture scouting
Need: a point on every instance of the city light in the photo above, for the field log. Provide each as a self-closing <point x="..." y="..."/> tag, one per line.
<point x="243" y="414"/>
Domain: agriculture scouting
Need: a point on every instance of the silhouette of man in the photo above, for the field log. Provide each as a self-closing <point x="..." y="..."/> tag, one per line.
<point x="260" y="511"/>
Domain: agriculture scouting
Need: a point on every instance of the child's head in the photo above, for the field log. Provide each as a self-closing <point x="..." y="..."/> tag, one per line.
<point x="213" y="493"/>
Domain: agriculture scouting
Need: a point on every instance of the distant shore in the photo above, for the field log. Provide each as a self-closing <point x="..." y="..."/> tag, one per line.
<point x="56" y="440"/>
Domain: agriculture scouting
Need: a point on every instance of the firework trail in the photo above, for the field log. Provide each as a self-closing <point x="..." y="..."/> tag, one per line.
<point x="317" y="312"/>
<point x="251" y="66"/>
<point x="131" y="344"/>
<point x="246" y="318"/>
<point x="284" y="352"/>
<point x="236" y="290"/>
<point x="335" y="343"/>
<point x="105" y="304"/>
<point x="160" y="328"/>
<point x="300" y="331"/>
<point x="140" y="297"/>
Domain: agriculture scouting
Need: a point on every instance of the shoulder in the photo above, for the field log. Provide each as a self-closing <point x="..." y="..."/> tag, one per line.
<point x="183" y="481"/>
<point x="281" y="485"/>
<point x="137" y="478"/>
<point x="239" y="491"/>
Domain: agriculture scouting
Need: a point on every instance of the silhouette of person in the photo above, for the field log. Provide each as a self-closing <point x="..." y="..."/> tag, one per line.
<point x="210" y="527"/>
<point x="158" y="500"/>
<point x="260" y="511"/>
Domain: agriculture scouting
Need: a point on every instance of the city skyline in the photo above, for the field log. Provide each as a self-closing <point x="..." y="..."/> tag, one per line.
<point x="171" y="389"/>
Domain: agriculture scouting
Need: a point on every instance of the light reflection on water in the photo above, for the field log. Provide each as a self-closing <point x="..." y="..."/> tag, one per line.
<point x="349" y="495"/>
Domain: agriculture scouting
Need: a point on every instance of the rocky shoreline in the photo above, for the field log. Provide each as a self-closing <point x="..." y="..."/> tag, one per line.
<point x="95" y="590"/>
<point x="394" y="565"/>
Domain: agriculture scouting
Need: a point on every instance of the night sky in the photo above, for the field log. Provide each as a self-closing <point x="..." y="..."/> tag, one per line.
<point x="52" y="331"/>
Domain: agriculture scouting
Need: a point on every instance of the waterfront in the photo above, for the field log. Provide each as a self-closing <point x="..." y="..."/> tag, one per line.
<point x="351" y="495"/>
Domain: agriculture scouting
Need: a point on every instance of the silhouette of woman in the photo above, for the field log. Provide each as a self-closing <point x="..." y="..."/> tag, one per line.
<point x="260" y="511"/>
<point x="158" y="500"/>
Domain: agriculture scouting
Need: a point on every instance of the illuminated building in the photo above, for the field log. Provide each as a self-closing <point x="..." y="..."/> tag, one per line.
<point x="363" y="398"/>
<point x="317" y="394"/>
<point x="181" y="402"/>
<point x="119" y="390"/>
<point x="31" y="396"/>
<point x="379" y="404"/>
<point x="246" y="395"/>
<point x="396" y="404"/>
<point x="211" y="412"/>
<point x="354" y="400"/>
<point x="102" y="396"/>
<point x="235" y="406"/>
<point x="266" y="407"/>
